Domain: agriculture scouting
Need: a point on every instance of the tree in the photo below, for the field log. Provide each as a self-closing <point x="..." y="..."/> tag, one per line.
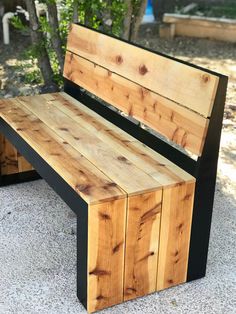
<point x="54" y="32"/>
<point x="38" y="42"/>
<point x="119" y="17"/>
<point x="135" y="10"/>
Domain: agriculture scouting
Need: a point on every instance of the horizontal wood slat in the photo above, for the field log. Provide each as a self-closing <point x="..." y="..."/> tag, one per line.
<point x="220" y="23"/>
<point x="184" y="84"/>
<point x="90" y="183"/>
<point x="152" y="163"/>
<point x="182" y="126"/>
<point x="103" y="156"/>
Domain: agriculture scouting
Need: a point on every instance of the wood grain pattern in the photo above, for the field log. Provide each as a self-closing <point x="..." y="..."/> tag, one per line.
<point x="176" y="222"/>
<point x="184" y="84"/>
<point x="103" y="156"/>
<point x="2" y="158"/>
<point x="106" y="242"/>
<point x="23" y="164"/>
<point x="152" y="163"/>
<point x="142" y="244"/>
<point x="11" y="161"/>
<point x="90" y="183"/>
<point x="178" y="124"/>
<point x="199" y="31"/>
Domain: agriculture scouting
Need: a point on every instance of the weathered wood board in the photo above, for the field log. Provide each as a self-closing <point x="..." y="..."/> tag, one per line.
<point x="202" y="27"/>
<point x="106" y="250"/>
<point x="11" y="162"/>
<point x="178" y="124"/>
<point x="176" y="219"/>
<point x="142" y="244"/>
<point x="154" y="72"/>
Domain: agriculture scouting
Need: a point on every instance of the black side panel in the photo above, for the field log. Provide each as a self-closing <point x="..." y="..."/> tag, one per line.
<point x="19" y="177"/>
<point x="205" y="174"/>
<point x="173" y="154"/>
<point x="73" y="200"/>
<point x="82" y="253"/>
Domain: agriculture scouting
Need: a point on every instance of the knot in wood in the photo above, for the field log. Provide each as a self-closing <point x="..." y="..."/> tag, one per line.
<point x="143" y="69"/>
<point x="119" y="59"/>
<point x="205" y="78"/>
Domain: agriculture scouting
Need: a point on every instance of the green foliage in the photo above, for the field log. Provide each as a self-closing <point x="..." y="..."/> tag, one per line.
<point x="17" y="23"/>
<point x="227" y="10"/>
<point x="99" y="14"/>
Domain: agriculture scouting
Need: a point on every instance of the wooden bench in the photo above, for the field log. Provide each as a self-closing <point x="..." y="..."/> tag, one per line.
<point x="140" y="228"/>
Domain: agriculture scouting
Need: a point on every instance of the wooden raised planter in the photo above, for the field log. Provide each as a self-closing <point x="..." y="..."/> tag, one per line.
<point x="200" y="27"/>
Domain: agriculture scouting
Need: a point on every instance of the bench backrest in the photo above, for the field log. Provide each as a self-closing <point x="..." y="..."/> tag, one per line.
<point x="169" y="96"/>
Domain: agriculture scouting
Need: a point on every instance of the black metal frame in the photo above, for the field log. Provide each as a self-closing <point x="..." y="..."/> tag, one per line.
<point x="204" y="170"/>
<point x="71" y="198"/>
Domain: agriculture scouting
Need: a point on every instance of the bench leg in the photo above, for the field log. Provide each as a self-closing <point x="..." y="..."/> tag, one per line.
<point x="100" y="254"/>
<point x="106" y="251"/>
<point x="14" y="168"/>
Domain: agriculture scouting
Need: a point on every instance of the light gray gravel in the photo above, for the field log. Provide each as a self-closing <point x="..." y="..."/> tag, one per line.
<point x="37" y="254"/>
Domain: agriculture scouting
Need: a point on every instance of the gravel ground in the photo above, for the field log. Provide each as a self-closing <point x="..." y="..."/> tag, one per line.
<point x="37" y="230"/>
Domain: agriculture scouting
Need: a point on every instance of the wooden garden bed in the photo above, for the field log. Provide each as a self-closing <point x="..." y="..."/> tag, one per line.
<point x="200" y="27"/>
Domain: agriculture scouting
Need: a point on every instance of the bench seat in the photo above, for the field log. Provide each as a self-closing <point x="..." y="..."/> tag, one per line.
<point x="109" y="163"/>
<point x="128" y="189"/>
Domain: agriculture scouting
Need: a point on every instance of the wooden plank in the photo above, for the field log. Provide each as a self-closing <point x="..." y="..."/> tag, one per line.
<point x="202" y="27"/>
<point x="180" y="125"/>
<point x="106" y="242"/>
<point x="9" y="158"/>
<point x="199" y="31"/>
<point x="182" y="83"/>
<point x="2" y="159"/>
<point x="221" y="23"/>
<point x="23" y="164"/>
<point x="103" y="156"/>
<point x="176" y="219"/>
<point x="90" y="183"/>
<point x="142" y="244"/>
<point x="152" y="163"/>
<point x="11" y="161"/>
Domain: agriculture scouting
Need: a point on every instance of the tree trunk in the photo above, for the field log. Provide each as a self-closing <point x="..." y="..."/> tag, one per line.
<point x="88" y="14"/>
<point x="163" y="6"/>
<point x="75" y="18"/>
<point x="138" y="19"/>
<point x="37" y="40"/>
<point x="55" y="35"/>
<point x="128" y="19"/>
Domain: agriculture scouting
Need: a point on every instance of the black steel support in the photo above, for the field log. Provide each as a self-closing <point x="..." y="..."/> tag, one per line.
<point x="205" y="173"/>
<point x="71" y="198"/>
<point x="204" y="169"/>
<point x="19" y="177"/>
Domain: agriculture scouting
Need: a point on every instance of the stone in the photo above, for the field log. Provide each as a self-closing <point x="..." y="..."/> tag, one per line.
<point x="8" y="95"/>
